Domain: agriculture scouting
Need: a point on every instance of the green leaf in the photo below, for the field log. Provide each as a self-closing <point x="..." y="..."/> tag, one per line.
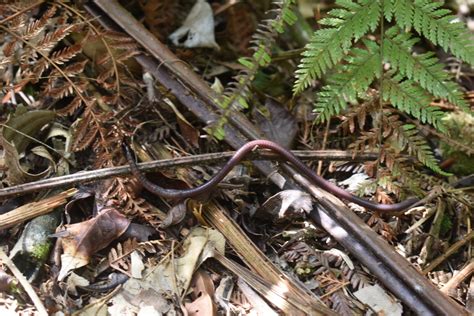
<point x="246" y="62"/>
<point x="425" y="69"/>
<point x="261" y="57"/>
<point x="416" y="145"/>
<point x="350" y="80"/>
<point x="329" y="45"/>
<point x="429" y="19"/>
<point x="411" y="98"/>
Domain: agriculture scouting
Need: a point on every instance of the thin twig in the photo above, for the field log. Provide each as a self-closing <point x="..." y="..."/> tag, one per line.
<point x="10" y="17"/>
<point x="458" y="278"/>
<point x="451" y="250"/>
<point x="200" y="101"/>
<point x="94" y="175"/>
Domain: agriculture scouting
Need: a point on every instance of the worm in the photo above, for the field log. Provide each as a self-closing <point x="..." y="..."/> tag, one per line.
<point x="288" y="156"/>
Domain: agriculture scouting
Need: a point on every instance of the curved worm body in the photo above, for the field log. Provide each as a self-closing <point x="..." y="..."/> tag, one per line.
<point x="317" y="180"/>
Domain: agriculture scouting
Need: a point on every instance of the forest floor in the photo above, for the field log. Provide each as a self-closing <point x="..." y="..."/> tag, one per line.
<point x="183" y="85"/>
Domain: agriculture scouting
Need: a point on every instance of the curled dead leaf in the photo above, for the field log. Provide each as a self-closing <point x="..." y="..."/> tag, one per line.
<point x="203" y="292"/>
<point x="80" y="241"/>
<point x="281" y="202"/>
<point x="15" y="136"/>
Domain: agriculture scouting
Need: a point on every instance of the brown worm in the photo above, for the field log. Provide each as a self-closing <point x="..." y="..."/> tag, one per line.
<point x="317" y="180"/>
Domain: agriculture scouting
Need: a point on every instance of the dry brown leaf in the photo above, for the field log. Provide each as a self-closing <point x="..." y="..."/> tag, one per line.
<point x="189" y="133"/>
<point x="203" y="292"/>
<point x="6" y="281"/>
<point x="80" y="241"/>
<point x="175" y="215"/>
<point x="14" y="139"/>
<point x="172" y="276"/>
<point x="277" y="123"/>
<point x="119" y="257"/>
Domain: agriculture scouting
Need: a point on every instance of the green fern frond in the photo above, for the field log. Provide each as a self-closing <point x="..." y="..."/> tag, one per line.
<point x="328" y="46"/>
<point x="287" y="16"/>
<point x="353" y="78"/>
<point x="425" y="69"/>
<point x="409" y="82"/>
<point x="388" y="8"/>
<point x="408" y="137"/>
<point x="238" y="92"/>
<point x="410" y="98"/>
<point x="430" y="20"/>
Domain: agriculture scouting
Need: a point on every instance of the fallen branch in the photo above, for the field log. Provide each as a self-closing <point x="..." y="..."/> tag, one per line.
<point x="34" y="209"/>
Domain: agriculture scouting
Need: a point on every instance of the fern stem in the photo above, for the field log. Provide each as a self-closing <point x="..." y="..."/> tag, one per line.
<point x="381" y="90"/>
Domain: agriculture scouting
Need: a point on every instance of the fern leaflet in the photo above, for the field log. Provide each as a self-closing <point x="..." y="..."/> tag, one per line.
<point x="328" y="46"/>
<point x="436" y="24"/>
<point x="424" y="68"/>
<point x="409" y="97"/>
<point x="352" y="79"/>
<point x="408" y="138"/>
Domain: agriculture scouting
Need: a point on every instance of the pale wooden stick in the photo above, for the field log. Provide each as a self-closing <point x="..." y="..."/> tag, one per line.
<point x="458" y="278"/>
<point x="24" y="282"/>
<point x="34" y="209"/>
<point x="451" y="250"/>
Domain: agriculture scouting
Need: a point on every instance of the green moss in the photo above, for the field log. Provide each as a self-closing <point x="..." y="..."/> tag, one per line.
<point x="41" y="251"/>
<point x="303" y="271"/>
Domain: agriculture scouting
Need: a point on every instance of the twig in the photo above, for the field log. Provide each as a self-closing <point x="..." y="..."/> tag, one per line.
<point x="280" y="283"/>
<point x="458" y="278"/>
<point x="24" y="282"/>
<point x="34" y="209"/>
<point x="373" y="263"/>
<point x="451" y="250"/>
<point x="394" y="271"/>
<point x="426" y="249"/>
<point x="10" y="17"/>
<point x="94" y="175"/>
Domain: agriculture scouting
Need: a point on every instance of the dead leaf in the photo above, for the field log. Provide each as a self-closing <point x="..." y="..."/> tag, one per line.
<point x="172" y="276"/>
<point x="181" y="270"/>
<point x="25" y="123"/>
<point x="189" y="133"/>
<point x="75" y="281"/>
<point x="203" y="292"/>
<point x="279" y="203"/>
<point x="120" y="256"/>
<point x="81" y="203"/>
<point x="6" y="281"/>
<point x="80" y="241"/>
<point x="260" y="307"/>
<point x="14" y="139"/>
<point x="175" y="215"/>
<point x="356" y="181"/>
<point x="137" y="265"/>
<point x="379" y="300"/>
<point x="277" y="123"/>
<point x="197" y="29"/>
<point x="139" y="232"/>
<point x="224" y="292"/>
